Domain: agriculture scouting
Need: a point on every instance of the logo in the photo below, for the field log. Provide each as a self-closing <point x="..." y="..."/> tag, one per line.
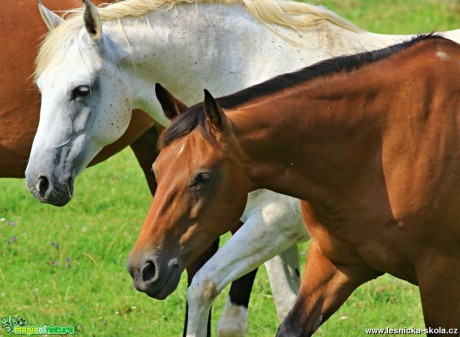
<point x="19" y="326"/>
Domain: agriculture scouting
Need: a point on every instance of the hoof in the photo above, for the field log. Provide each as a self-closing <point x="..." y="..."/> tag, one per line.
<point x="234" y="321"/>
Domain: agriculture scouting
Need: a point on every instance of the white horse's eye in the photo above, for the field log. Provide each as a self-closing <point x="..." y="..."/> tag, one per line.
<point x="81" y="91"/>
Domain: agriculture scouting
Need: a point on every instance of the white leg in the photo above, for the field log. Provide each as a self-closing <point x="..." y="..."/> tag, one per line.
<point x="234" y="320"/>
<point x="237" y="257"/>
<point x="284" y="274"/>
<point x="265" y="234"/>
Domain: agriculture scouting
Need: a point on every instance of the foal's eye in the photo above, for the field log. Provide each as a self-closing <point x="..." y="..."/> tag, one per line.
<point x="201" y="179"/>
<point x="81" y="91"/>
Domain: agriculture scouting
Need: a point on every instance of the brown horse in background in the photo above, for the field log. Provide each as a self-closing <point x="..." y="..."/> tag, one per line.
<point x="21" y="30"/>
<point x="370" y="142"/>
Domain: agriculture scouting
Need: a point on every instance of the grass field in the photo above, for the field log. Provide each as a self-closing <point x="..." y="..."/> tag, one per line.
<point x="66" y="266"/>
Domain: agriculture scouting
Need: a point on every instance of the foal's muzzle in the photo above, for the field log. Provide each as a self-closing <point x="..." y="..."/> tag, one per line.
<point x="156" y="277"/>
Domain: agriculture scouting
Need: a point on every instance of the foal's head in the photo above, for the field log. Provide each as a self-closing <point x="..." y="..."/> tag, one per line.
<point x="201" y="194"/>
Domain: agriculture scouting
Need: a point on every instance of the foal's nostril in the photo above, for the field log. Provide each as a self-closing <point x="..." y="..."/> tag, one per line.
<point x="43" y="185"/>
<point x="148" y="271"/>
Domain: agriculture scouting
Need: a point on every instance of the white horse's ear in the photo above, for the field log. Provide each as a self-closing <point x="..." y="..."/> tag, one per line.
<point x="51" y="19"/>
<point x="172" y="106"/>
<point x="215" y="115"/>
<point x="93" y="24"/>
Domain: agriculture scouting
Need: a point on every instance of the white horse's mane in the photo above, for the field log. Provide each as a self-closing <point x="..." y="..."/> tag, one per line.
<point x="287" y="13"/>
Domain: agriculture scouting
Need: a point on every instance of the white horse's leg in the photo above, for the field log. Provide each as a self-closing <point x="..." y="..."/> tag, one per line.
<point x="229" y="263"/>
<point x="267" y="232"/>
<point x="236" y="258"/>
<point x="233" y="321"/>
<point x="234" y="317"/>
<point x="284" y="275"/>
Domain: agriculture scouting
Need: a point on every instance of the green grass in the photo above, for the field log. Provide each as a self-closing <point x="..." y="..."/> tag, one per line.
<point x="66" y="266"/>
<point x="398" y="16"/>
<point x="92" y="291"/>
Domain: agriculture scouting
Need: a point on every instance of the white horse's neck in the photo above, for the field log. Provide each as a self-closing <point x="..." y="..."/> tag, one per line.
<point x="193" y="47"/>
<point x="221" y="48"/>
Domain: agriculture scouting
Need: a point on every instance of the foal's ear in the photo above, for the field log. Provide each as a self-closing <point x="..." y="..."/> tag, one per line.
<point x="214" y="113"/>
<point x="93" y="24"/>
<point x="172" y="106"/>
<point x="51" y="19"/>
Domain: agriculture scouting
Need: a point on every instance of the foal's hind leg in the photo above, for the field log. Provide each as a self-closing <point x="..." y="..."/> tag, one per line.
<point x="439" y="284"/>
<point x="325" y="286"/>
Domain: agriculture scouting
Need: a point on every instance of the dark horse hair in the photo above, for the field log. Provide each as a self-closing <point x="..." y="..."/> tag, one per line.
<point x="195" y="116"/>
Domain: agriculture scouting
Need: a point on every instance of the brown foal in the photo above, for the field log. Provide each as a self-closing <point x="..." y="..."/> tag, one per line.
<point x="370" y="142"/>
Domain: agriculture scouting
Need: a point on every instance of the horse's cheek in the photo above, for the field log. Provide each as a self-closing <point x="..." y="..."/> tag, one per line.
<point x="124" y="108"/>
<point x="115" y="113"/>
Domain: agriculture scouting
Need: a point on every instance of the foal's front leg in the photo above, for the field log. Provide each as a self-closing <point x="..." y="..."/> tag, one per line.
<point x="325" y="286"/>
<point x="440" y="294"/>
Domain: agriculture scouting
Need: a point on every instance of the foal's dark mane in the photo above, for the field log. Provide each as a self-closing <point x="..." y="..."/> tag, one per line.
<point x="195" y="116"/>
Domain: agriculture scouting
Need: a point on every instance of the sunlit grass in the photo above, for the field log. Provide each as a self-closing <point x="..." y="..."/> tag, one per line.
<point x="397" y="16"/>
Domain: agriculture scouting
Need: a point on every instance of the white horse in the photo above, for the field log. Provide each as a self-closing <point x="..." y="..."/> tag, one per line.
<point x="99" y="64"/>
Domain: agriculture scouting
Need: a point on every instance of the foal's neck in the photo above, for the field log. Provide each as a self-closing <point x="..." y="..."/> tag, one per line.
<point x="308" y="143"/>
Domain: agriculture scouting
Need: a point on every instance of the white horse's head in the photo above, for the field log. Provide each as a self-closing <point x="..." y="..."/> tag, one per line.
<point x="86" y="103"/>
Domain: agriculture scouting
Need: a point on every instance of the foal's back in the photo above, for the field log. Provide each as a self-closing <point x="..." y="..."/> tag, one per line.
<point x="418" y="112"/>
<point x="422" y="142"/>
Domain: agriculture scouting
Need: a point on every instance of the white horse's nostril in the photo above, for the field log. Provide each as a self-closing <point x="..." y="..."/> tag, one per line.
<point x="42" y="185"/>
